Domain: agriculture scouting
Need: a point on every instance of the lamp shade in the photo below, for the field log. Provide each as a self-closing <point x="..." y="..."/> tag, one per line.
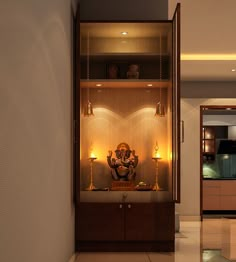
<point x="160" y="109"/>
<point x="88" y="109"/>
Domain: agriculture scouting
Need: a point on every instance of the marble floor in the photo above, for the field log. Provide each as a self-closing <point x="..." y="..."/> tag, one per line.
<point x="197" y="242"/>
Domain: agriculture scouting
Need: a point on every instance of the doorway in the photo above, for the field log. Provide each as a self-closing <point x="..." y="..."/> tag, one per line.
<point x="217" y="138"/>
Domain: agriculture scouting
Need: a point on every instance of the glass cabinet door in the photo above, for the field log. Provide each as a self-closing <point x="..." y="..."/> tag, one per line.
<point x="128" y="111"/>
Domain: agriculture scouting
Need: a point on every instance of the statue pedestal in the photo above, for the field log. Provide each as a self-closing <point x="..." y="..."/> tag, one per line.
<point x="122" y="185"/>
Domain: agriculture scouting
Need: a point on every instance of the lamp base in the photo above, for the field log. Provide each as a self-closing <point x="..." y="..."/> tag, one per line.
<point x="91" y="187"/>
<point x="156" y="187"/>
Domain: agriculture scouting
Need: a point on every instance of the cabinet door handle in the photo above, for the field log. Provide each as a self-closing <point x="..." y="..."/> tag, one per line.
<point x="121" y="205"/>
<point x="129" y="206"/>
<point x="182" y="131"/>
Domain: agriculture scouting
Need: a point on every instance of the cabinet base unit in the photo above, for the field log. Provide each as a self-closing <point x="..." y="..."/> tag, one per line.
<point x="219" y="195"/>
<point x="126" y="227"/>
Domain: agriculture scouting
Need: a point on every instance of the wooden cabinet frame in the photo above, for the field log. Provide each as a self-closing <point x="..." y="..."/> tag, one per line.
<point x="112" y="226"/>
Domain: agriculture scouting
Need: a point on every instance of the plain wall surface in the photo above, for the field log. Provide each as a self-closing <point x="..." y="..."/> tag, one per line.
<point x="172" y="7"/>
<point x="36" y="210"/>
<point x="232" y="131"/>
<point x="220" y="120"/>
<point x="208" y="89"/>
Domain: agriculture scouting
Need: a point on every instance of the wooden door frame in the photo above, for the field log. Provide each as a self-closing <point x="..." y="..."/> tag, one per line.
<point x="202" y="108"/>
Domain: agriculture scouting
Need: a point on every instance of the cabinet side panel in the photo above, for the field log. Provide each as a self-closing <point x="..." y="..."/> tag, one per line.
<point x="165" y="221"/>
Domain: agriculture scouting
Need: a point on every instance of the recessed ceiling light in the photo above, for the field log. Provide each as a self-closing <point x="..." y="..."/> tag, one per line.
<point x="124" y="33"/>
<point x="149" y="84"/>
<point x="228" y="108"/>
<point x="98" y="84"/>
<point x="233" y="70"/>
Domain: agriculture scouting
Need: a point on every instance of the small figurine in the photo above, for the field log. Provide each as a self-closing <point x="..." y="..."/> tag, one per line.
<point x="113" y="71"/>
<point x="133" y="71"/>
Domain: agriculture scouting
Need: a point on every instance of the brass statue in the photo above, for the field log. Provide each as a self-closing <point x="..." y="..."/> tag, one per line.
<point x="123" y="165"/>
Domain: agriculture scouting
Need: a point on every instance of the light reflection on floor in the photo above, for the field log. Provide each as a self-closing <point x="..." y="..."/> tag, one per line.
<point x="197" y="242"/>
<point x="213" y="255"/>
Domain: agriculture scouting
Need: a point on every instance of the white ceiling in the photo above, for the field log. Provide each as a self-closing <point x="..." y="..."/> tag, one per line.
<point x="208" y="27"/>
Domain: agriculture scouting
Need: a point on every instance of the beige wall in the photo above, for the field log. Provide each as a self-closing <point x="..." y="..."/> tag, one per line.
<point x="124" y="116"/>
<point x="190" y="154"/>
<point x="171" y="8"/>
<point x="36" y="210"/>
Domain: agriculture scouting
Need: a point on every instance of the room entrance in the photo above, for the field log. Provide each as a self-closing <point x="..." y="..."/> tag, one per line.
<point x="218" y="160"/>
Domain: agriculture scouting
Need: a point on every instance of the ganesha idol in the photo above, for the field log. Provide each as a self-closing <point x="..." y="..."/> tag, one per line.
<point x="123" y="164"/>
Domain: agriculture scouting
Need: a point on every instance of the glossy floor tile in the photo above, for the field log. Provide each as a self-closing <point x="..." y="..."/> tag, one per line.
<point x="196" y="242"/>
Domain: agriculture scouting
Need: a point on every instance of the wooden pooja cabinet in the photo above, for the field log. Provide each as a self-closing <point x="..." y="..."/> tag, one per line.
<point x="122" y="82"/>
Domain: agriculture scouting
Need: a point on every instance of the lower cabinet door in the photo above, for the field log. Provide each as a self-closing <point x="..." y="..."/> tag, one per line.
<point x="100" y="222"/>
<point x="149" y="221"/>
<point x="140" y="221"/>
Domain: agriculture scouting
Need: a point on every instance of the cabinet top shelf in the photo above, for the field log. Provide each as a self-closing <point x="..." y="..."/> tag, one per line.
<point x="134" y="29"/>
<point x="124" y="83"/>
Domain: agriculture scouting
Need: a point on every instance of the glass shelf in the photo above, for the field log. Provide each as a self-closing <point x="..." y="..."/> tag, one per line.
<point x="124" y="83"/>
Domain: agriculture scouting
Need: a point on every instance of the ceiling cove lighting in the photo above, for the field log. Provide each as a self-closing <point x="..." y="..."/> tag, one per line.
<point x="202" y="57"/>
